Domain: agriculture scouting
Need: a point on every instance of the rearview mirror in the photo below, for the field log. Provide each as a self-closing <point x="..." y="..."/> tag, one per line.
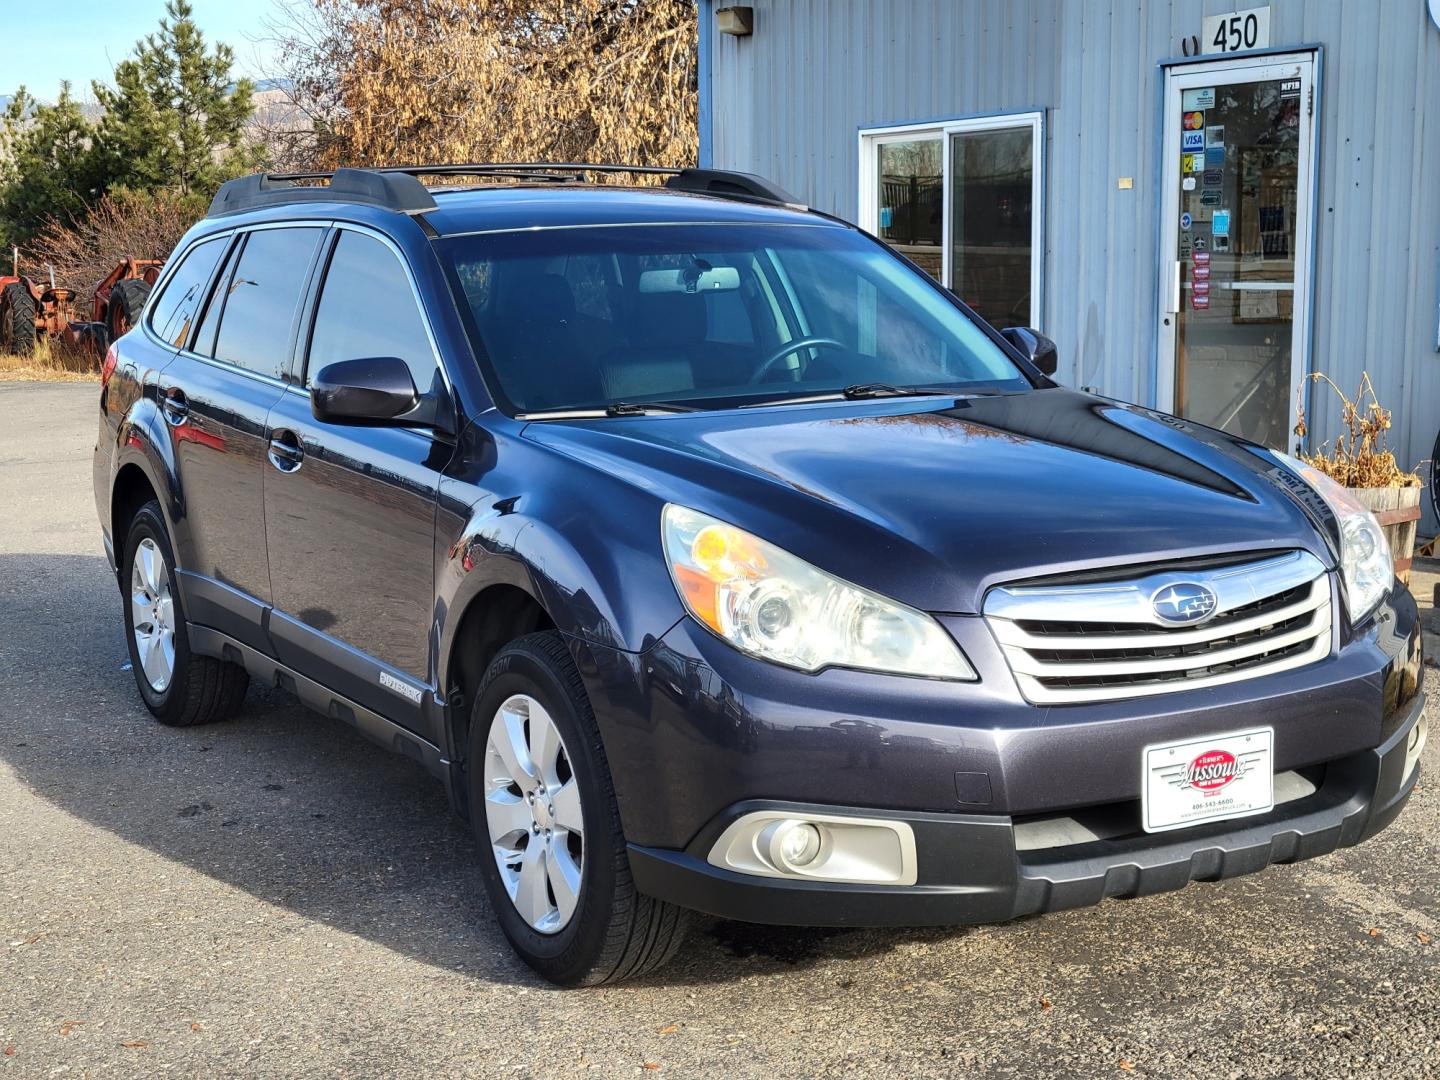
<point x="1034" y="346"/>
<point x="375" y="389"/>
<point x="690" y="280"/>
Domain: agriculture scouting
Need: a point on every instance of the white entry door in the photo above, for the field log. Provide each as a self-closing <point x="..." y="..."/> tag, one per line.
<point x="1239" y="161"/>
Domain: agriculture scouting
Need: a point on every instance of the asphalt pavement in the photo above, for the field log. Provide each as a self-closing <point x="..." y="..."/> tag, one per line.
<point x="276" y="897"/>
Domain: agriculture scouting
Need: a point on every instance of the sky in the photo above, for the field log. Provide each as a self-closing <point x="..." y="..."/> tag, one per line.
<point x="93" y="35"/>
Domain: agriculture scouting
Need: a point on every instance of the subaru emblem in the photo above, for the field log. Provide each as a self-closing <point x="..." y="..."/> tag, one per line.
<point x="1184" y="602"/>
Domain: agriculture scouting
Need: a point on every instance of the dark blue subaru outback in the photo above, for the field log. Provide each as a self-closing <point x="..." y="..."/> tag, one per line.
<point x="716" y="558"/>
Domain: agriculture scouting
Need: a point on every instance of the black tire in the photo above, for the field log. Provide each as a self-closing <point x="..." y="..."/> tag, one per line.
<point x="616" y="932"/>
<point x="17" y="320"/>
<point x="127" y="299"/>
<point x="201" y="689"/>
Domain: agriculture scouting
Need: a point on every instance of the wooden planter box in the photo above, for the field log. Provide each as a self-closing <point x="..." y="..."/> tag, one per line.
<point x="1398" y="511"/>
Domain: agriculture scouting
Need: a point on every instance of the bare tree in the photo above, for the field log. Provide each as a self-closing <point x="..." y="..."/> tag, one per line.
<point x="409" y="81"/>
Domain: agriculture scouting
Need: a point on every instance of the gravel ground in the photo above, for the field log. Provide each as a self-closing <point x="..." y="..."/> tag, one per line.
<point x="277" y="897"/>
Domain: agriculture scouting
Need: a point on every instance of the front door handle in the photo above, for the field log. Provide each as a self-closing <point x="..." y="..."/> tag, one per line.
<point x="174" y="406"/>
<point x="286" y="453"/>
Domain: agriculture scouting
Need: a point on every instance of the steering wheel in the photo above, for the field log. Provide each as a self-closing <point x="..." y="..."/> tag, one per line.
<point x="794" y="346"/>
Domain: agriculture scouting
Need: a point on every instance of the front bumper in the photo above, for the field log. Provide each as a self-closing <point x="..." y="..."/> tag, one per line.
<point x="971" y="871"/>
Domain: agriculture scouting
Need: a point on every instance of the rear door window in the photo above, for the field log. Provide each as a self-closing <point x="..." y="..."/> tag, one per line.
<point x="172" y="313"/>
<point x="210" y="321"/>
<point x="368" y="309"/>
<point x="262" y="297"/>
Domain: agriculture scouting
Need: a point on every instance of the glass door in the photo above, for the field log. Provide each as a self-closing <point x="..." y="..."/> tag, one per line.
<point x="1235" y="266"/>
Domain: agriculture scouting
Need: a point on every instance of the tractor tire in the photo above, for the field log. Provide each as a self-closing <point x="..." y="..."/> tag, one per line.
<point x="17" y="320"/>
<point x="127" y="299"/>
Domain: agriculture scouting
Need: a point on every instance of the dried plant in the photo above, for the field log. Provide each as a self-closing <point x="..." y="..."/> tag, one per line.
<point x="1359" y="458"/>
<point x="143" y="226"/>
<point x="385" y="82"/>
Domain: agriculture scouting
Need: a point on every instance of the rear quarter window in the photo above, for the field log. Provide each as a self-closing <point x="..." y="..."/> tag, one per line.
<point x="172" y="312"/>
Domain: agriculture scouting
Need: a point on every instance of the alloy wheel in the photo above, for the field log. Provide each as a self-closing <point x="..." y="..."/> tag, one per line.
<point x="152" y="615"/>
<point x="533" y="815"/>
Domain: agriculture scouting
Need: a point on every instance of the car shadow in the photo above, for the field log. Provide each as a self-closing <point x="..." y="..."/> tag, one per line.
<point x="292" y="807"/>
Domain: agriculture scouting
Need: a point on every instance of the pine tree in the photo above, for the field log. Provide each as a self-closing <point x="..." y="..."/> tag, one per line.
<point x="174" y="118"/>
<point x="47" y="165"/>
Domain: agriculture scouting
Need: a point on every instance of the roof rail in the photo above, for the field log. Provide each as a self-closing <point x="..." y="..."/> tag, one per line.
<point x="398" y="187"/>
<point x="732" y="185"/>
<point x="391" y="190"/>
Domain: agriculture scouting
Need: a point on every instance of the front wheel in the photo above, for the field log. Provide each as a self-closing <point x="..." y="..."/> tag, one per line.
<point x="179" y="687"/>
<point x="543" y="809"/>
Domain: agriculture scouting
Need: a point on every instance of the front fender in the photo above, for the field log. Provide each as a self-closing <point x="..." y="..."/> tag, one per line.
<point x="581" y="591"/>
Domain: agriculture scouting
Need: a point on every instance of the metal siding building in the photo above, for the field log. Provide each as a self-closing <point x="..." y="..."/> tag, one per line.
<point x="791" y="99"/>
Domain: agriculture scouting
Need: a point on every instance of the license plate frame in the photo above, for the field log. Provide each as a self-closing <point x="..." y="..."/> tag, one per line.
<point x="1214" y="778"/>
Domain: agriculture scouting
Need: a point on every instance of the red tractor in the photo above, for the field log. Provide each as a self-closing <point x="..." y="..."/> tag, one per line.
<point x="31" y="310"/>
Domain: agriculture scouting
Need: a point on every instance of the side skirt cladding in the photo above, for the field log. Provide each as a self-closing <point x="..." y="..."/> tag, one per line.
<point x="313" y="695"/>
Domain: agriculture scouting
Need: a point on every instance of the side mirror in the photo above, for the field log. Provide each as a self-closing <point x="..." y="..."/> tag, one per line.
<point x="1035" y="346"/>
<point x="374" y="390"/>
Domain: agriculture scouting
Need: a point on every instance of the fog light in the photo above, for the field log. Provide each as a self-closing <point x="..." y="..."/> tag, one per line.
<point x="796" y="843"/>
<point x="803" y="843"/>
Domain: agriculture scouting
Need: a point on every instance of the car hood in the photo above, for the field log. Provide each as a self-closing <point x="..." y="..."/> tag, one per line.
<point x="933" y="501"/>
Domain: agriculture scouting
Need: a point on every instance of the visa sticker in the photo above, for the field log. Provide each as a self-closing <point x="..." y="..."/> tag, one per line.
<point x="1220" y="224"/>
<point x="1192" y="140"/>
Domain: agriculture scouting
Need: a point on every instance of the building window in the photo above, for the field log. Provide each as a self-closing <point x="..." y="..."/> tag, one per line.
<point x="964" y="200"/>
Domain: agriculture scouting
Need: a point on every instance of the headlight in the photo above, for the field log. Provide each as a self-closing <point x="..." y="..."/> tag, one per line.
<point x="1365" y="561"/>
<point x="770" y="604"/>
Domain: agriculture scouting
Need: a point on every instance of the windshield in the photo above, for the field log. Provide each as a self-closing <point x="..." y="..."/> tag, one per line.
<point x="709" y="316"/>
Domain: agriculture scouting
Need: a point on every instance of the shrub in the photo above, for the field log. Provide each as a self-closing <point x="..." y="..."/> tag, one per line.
<point x="1359" y="458"/>
<point x="143" y="225"/>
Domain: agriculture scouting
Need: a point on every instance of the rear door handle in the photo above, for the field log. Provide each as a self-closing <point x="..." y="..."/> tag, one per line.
<point x="174" y="406"/>
<point x="286" y="453"/>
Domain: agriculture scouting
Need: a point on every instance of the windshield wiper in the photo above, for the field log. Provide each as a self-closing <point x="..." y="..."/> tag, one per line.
<point x="619" y="408"/>
<point x="855" y="392"/>
<point x="640" y="408"/>
<point x="860" y="391"/>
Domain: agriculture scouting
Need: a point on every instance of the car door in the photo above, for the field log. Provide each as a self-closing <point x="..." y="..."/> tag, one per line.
<point x="215" y="396"/>
<point x="350" y="508"/>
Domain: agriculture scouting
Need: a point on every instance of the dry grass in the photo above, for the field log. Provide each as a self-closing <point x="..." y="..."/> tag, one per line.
<point x="49" y="363"/>
<point x="1360" y="457"/>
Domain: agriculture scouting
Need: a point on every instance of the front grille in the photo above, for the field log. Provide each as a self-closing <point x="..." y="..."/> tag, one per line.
<point x="1071" y="642"/>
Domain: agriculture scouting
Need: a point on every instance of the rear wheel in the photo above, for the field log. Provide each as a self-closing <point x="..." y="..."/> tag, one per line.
<point x="17" y="320"/>
<point x="127" y="299"/>
<point x="543" y="808"/>
<point x="179" y="687"/>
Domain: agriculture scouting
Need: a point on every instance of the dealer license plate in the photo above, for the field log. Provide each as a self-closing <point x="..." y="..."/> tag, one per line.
<point x="1203" y="780"/>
